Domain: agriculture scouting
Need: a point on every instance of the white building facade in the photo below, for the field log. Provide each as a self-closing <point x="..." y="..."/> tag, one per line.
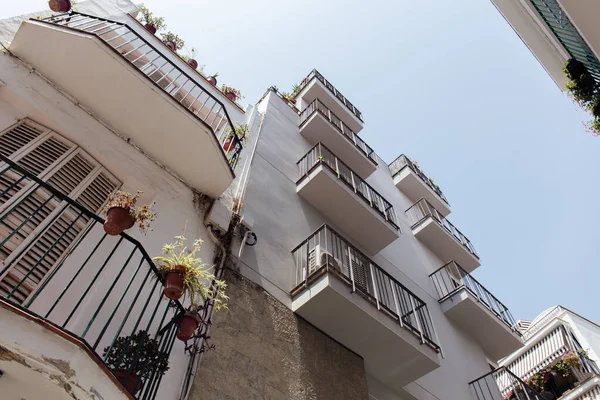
<point x="357" y="255"/>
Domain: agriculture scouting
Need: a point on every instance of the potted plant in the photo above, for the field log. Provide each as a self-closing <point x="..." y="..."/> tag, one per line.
<point x="212" y="79"/>
<point x="135" y="358"/>
<point x="121" y="213"/>
<point x="231" y="93"/>
<point x="190" y="60"/>
<point x="184" y="272"/>
<point x="172" y="41"/>
<point x="241" y="131"/>
<point x="151" y="23"/>
<point x="60" y="5"/>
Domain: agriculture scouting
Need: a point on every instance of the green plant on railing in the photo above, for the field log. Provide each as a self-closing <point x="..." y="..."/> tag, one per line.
<point x="292" y="95"/>
<point x="135" y="358"/>
<point x="321" y="158"/>
<point x="200" y="283"/>
<point x="172" y="41"/>
<point x="584" y="90"/>
<point x="150" y="20"/>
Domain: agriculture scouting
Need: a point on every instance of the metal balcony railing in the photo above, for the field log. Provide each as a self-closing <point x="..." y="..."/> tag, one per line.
<point x="325" y="251"/>
<point x="404" y="162"/>
<point x="164" y="73"/>
<point x="321" y="155"/>
<point x="99" y="289"/>
<point x="318" y="106"/>
<point x="451" y="278"/>
<point x="566" y="33"/>
<point x="502" y="384"/>
<point x="315" y="74"/>
<point x="422" y="210"/>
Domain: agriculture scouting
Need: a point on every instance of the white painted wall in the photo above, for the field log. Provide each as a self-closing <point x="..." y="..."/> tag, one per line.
<point x="283" y="220"/>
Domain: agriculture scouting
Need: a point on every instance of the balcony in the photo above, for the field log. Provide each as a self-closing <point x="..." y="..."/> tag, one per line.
<point x="69" y="294"/>
<point x="319" y="124"/>
<point x="344" y="198"/>
<point x="130" y="83"/>
<point x="315" y="86"/>
<point x="437" y="233"/>
<point x="502" y="384"/>
<point x="409" y="178"/>
<point x="556" y="30"/>
<point x="347" y="296"/>
<point x="470" y="306"/>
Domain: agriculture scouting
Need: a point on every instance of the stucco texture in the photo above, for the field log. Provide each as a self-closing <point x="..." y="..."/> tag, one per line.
<point x="264" y="351"/>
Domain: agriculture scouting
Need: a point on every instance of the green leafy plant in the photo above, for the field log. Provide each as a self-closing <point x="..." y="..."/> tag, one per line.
<point x="585" y="91"/>
<point x="147" y="18"/>
<point x="171" y="37"/>
<point x="321" y="158"/>
<point x="142" y="215"/>
<point x="228" y="89"/>
<point x="139" y="354"/>
<point x="200" y="282"/>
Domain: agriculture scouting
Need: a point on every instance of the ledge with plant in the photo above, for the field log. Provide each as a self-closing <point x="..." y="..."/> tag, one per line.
<point x="185" y="273"/>
<point x="136" y="358"/>
<point x="231" y="93"/>
<point x="121" y="213"/>
<point x="152" y="23"/>
<point x="172" y="41"/>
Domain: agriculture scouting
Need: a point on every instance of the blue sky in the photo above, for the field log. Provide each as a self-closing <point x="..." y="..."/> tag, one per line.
<point x="451" y="85"/>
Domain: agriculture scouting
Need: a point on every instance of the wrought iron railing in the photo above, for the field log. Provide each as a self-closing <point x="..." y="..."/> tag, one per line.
<point x="321" y="155"/>
<point x="316" y="75"/>
<point x="72" y="275"/>
<point x="422" y="210"/>
<point x="325" y="251"/>
<point x="164" y="73"/>
<point x="318" y="106"/>
<point x="451" y="278"/>
<point x="566" y="33"/>
<point x="404" y="162"/>
<point x="502" y="384"/>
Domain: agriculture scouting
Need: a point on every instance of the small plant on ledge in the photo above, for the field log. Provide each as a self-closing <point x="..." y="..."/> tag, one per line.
<point x="135" y="358"/>
<point x="212" y="79"/>
<point x="585" y="91"/>
<point x="191" y="59"/>
<point x="121" y="213"/>
<point x="232" y="93"/>
<point x="151" y="23"/>
<point x="172" y="41"/>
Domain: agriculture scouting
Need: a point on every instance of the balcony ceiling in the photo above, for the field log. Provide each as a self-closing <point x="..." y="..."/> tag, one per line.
<point x="127" y="100"/>
<point x="415" y="189"/>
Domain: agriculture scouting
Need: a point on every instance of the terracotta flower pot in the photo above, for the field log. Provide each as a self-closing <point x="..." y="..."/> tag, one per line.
<point x="130" y="380"/>
<point x="118" y="219"/>
<point x="231" y="96"/>
<point x="193" y="63"/>
<point x="171" y="45"/>
<point x="229" y="144"/>
<point x="60" y="5"/>
<point x="150" y="28"/>
<point x="174" y="283"/>
<point x="212" y="80"/>
<point x="187" y="326"/>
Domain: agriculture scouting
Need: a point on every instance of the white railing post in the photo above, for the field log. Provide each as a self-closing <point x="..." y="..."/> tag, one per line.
<point x="374" y="286"/>
<point x="395" y="296"/>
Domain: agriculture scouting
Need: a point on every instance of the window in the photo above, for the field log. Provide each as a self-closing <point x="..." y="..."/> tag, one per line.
<point x="36" y="228"/>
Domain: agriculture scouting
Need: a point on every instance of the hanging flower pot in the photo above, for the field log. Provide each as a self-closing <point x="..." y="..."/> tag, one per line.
<point x="60" y="5"/>
<point x="212" y="80"/>
<point x="193" y="63"/>
<point x="150" y="28"/>
<point x="130" y="380"/>
<point x="118" y="219"/>
<point x="574" y="69"/>
<point x="187" y="326"/>
<point x="174" y="282"/>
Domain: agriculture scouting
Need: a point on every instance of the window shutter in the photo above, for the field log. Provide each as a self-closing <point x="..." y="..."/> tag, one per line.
<point x="37" y="228"/>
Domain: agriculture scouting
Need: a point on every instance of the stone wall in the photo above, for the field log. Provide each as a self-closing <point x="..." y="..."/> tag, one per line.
<point x="264" y="351"/>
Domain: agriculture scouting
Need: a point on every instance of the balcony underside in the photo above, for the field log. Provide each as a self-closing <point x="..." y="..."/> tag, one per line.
<point x="494" y="336"/>
<point x="346" y="209"/>
<point x="316" y="90"/>
<point x="41" y="362"/>
<point x="415" y="189"/>
<point x="393" y="355"/>
<point x="318" y="129"/>
<point x="128" y="101"/>
<point x="444" y="245"/>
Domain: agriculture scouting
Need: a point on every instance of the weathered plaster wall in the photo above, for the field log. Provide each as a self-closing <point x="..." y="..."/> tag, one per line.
<point x="264" y="351"/>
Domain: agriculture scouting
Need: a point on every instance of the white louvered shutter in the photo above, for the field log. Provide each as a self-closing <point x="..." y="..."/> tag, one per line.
<point x="37" y="228"/>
